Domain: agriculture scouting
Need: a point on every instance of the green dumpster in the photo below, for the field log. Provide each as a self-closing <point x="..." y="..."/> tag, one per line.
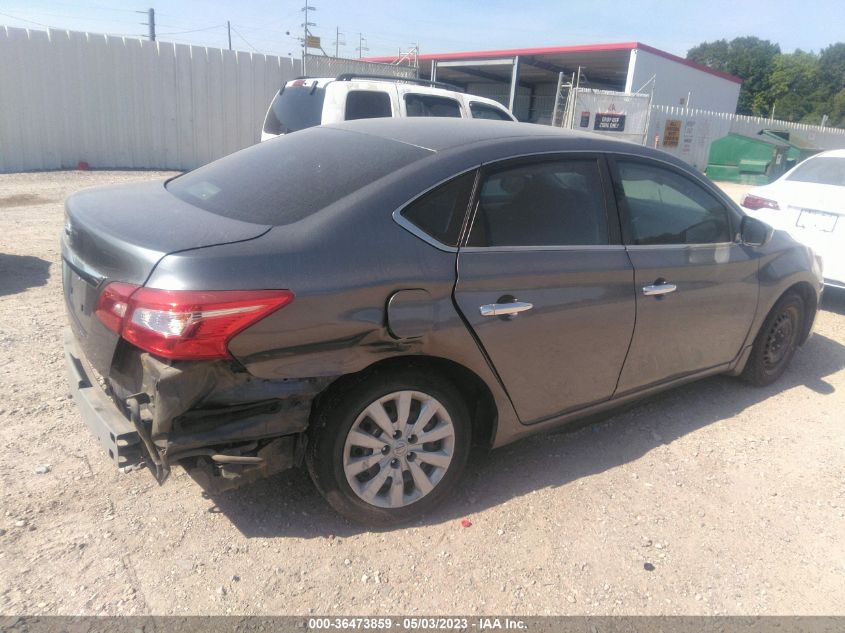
<point x="799" y="149"/>
<point x="753" y="160"/>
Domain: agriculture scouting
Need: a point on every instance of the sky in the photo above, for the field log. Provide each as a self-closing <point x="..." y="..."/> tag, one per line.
<point x="445" y="26"/>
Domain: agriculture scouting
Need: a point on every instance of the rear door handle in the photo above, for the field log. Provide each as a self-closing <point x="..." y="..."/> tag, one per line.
<point x="655" y="290"/>
<point x="505" y="309"/>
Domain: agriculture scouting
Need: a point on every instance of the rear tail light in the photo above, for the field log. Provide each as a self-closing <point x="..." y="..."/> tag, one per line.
<point x="756" y="202"/>
<point x="184" y="324"/>
<point x="113" y="303"/>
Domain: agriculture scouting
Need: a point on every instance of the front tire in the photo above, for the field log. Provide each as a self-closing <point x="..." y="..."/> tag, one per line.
<point x="388" y="449"/>
<point x="776" y="342"/>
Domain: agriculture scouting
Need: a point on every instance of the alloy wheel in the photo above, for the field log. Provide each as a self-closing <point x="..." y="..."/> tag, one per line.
<point x="398" y="449"/>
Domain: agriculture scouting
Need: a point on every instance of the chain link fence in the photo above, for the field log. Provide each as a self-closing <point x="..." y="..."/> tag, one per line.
<point x="324" y="66"/>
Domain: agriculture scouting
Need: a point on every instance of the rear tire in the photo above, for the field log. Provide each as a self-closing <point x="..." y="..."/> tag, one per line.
<point x="776" y="341"/>
<point x="389" y="448"/>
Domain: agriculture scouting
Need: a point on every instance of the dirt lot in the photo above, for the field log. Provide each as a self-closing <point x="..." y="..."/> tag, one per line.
<point x="715" y="498"/>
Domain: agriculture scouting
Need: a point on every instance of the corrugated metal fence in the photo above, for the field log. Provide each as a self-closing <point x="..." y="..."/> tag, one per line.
<point x="118" y="102"/>
<point x="692" y="131"/>
<point x="111" y="101"/>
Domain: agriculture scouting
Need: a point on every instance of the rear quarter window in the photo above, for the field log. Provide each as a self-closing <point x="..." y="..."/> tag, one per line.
<point x="430" y="105"/>
<point x="367" y="104"/>
<point x="440" y="213"/>
<point x="284" y="180"/>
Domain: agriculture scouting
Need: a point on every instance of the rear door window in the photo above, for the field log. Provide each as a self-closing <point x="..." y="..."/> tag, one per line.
<point x="547" y="203"/>
<point x="430" y="105"/>
<point x="484" y="111"/>
<point x="295" y="108"/>
<point x="367" y="104"/>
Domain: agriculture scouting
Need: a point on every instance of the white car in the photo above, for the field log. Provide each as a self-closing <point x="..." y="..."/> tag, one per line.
<point x="307" y="102"/>
<point x="808" y="202"/>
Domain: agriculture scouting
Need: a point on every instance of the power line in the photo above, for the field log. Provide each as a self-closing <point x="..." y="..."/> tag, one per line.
<point x="97" y="7"/>
<point x="14" y="17"/>
<point x="273" y="43"/>
<point x="238" y="33"/>
<point x="248" y="27"/>
<point x="72" y="17"/>
<point x="208" y="28"/>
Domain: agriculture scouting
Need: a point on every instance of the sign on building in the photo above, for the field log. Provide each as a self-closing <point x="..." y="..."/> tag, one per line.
<point x="618" y="114"/>
<point x="672" y="133"/>
<point x="609" y="122"/>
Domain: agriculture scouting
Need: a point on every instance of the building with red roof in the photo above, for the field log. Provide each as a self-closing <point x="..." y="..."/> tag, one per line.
<point x="526" y="79"/>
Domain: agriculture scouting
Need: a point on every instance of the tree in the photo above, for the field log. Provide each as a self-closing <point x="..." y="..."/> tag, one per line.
<point x="836" y="110"/>
<point x="831" y="92"/>
<point x="794" y="86"/>
<point x="832" y="67"/>
<point x="749" y="58"/>
<point x="800" y="86"/>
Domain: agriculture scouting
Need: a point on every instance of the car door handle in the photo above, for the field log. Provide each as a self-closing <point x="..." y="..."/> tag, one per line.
<point x="655" y="290"/>
<point x="505" y="309"/>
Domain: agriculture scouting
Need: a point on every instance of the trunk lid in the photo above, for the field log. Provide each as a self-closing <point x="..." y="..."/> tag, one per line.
<point x="807" y="195"/>
<point x="120" y="233"/>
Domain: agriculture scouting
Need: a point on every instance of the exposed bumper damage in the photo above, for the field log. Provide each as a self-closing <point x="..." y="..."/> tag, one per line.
<point x="224" y="426"/>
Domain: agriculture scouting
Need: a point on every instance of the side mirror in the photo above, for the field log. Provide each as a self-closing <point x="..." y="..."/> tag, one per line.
<point x="754" y="232"/>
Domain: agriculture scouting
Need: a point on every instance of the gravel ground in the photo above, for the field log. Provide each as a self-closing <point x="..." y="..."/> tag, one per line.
<point x="714" y="498"/>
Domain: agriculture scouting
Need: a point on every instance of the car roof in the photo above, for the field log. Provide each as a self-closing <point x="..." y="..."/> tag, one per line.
<point x="440" y="134"/>
<point x="345" y="80"/>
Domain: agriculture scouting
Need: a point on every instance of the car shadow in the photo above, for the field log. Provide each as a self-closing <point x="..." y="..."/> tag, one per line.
<point x="19" y="272"/>
<point x="289" y="505"/>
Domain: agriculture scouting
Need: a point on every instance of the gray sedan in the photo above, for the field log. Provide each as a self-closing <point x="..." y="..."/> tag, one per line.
<point x="370" y="299"/>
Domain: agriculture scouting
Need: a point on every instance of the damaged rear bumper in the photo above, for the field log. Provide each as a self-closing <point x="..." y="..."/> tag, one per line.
<point x="222" y="424"/>
<point x="115" y="433"/>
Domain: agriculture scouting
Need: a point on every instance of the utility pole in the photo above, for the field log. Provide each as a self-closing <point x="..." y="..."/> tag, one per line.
<point x="305" y="34"/>
<point x="229" y="32"/>
<point x="361" y="48"/>
<point x="151" y="23"/>
<point x="338" y="42"/>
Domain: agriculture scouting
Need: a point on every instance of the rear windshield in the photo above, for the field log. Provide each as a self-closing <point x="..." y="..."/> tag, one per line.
<point x="295" y="108"/>
<point x="284" y="180"/>
<point x="821" y="171"/>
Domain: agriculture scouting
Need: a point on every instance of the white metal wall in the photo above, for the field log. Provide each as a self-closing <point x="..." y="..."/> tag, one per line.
<point x="675" y="82"/>
<point x="699" y="128"/>
<point x="67" y="96"/>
